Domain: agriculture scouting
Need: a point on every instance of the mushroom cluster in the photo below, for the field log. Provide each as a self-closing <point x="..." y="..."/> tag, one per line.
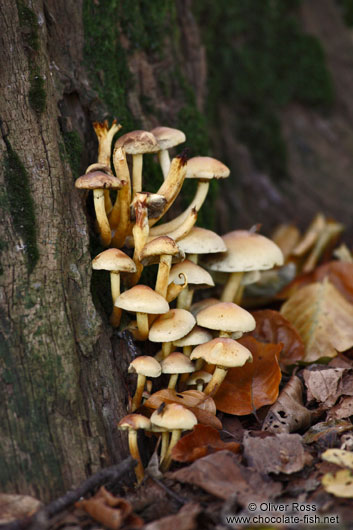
<point x="197" y="342"/>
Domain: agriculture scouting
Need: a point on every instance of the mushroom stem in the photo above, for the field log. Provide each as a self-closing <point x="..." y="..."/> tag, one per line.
<point x="134" y="451"/>
<point x="102" y="219"/>
<point x="137" y="161"/>
<point x="226" y="334"/>
<point x="176" y="433"/>
<point x="199" y="386"/>
<point x="193" y="257"/>
<point x="231" y="287"/>
<point x="140" y="233"/>
<point x="164" y="161"/>
<point x="166" y="348"/>
<point x="184" y="228"/>
<point x="187" y="350"/>
<point x="165" y="443"/>
<point x="239" y="295"/>
<point x="142" y="324"/>
<point x="173" y="381"/>
<point x="136" y="400"/>
<point x="165" y="264"/>
<point x="175" y="289"/>
<point x="197" y="202"/>
<point x="120" y="214"/>
<point x="115" y="289"/>
<point x="172" y="185"/>
<point x="185" y="299"/>
<point x="199" y="364"/>
<point x="217" y="378"/>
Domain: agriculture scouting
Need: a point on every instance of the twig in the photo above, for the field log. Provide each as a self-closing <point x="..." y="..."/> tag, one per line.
<point x="40" y="520"/>
<point x="169" y="491"/>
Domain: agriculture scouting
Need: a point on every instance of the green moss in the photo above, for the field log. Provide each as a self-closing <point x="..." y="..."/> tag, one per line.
<point x="71" y="151"/>
<point x="37" y="96"/>
<point x="265" y="62"/>
<point x="21" y="204"/>
<point x="29" y="24"/>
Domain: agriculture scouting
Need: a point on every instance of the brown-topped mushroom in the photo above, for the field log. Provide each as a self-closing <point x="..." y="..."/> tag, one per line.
<point x="98" y="181"/>
<point x="167" y="138"/>
<point x="132" y="423"/>
<point x="115" y="261"/>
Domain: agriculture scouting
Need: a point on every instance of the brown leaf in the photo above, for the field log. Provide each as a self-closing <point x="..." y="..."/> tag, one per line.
<point x="111" y="511"/>
<point x="253" y="385"/>
<point x="288" y="413"/>
<point x="344" y="409"/>
<point x="185" y="519"/>
<point x="281" y="453"/>
<point x="202" y="441"/>
<point x="223" y="476"/>
<point x="339" y="273"/>
<point x="14" y="506"/>
<point x="323" y="385"/>
<point x="199" y="403"/>
<point x="326" y="430"/>
<point x="272" y="327"/>
<point x="323" y="319"/>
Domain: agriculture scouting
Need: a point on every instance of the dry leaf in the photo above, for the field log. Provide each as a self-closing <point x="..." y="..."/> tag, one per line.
<point x="326" y="430"/>
<point x="281" y="453"/>
<point x="14" y="506"/>
<point x="111" y="511"/>
<point x="272" y="327"/>
<point x="323" y="385"/>
<point x="340" y="484"/>
<point x="344" y="409"/>
<point x="340" y="457"/>
<point x="202" y="441"/>
<point x="199" y="403"/>
<point x="288" y="413"/>
<point x="223" y="476"/>
<point x="323" y="319"/>
<point x="253" y="385"/>
<point x="185" y="519"/>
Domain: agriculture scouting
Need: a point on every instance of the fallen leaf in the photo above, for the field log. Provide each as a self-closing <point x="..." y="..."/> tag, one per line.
<point x="199" y="403"/>
<point x="339" y="273"/>
<point x="249" y="387"/>
<point x="340" y="457"/>
<point x="185" y="519"/>
<point x="223" y="476"/>
<point x="326" y="430"/>
<point x="109" y="510"/>
<point x="202" y="441"/>
<point x="272" y="327"/>
<point x="288" y="413"/>
<point x="340" y="484"/>
<point x="343" y="409"/>
<point x="14" y="506"/>
<point x="323" y="319"/>
<point x="323" y="385"/>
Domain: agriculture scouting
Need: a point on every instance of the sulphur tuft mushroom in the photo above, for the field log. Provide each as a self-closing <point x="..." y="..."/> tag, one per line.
<point x="229" y="319"/>
<point x="176" y="363"/>
<point x="171" y="326"/>
<point x="132" y="423"/>
<point x="198" y="278"/>
<point x="167" y="138"/>
<point x="144" y="366"/>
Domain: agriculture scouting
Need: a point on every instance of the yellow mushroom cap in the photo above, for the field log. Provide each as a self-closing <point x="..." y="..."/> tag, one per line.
<point x="174" y="416"/>
<point x="196" y="275"/>
<point x="145" y="365"/>
<point x="171" y="326"/>
<point x="202" y="241"/>
<point x="222" y="352"/>
<point x="177" y="363"/>
<point x="163" y="245"/>
<point x="142" y="299"/>
<point x="134" y="422"/>
<point x="206" y="168"/>
<point x="226" y="316"/>
<point x="138" y="142"/>
<point x="168" y="137"/>
<point x="247" y="251"/>
<point x="113" y="259"/>
<point x="196" y="336"/>
<point x="98" y="180"/>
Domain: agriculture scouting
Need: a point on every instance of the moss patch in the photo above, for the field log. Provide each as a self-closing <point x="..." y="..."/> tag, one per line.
<point x="21" y="204"/>
<point x="71" y="151"/>
<point x="265" y="61"/>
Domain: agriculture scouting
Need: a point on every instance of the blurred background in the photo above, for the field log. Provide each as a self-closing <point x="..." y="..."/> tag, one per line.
<point x="264" y="85"/>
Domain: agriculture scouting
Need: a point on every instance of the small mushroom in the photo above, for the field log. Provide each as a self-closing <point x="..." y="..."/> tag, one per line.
<point x="171" y="326"/>
<point x="132" y="423"/>
<point x="199" y="378"/>
<point x="144" y="366"/>
<point x="176" y="419"/>
<point x="176" y="363"/>
<point x="224" y="353"/>
<point x="197" y="335"/>
<point x="167" y="138"/>
<point x="119" y="218"/>
<point x="229" y="319"/>
<point x="198" y="278"/>
<point x="115" y="261"/>
<point x="143" y="301"/>
<point x="201" y="241"/>
<point x="98" y="181"/>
